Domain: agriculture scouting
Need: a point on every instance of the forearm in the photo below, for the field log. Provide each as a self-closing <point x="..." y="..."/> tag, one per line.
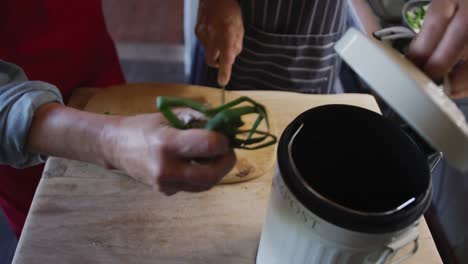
<point x="34" y="123"/>
<point x="61" y="131"/>
<point x="19" y="100"/>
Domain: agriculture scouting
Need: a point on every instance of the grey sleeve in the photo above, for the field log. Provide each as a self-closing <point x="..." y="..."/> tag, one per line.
<point x="19" y="99"/>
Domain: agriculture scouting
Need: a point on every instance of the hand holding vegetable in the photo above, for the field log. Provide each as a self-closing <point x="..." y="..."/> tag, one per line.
<point x="153" y="152"/>
<point x="220" y="30"/>
<point x="443" y="43"/>
<point x="144" y="146"/>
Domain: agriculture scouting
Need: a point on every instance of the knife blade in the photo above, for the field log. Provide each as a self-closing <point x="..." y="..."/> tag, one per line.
<point x="221" y="81"/>
<point x="223" y="94"/>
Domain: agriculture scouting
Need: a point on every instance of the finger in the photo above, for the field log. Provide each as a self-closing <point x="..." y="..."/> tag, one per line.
<point x="464" y="55"/>
<point x="436" y="21"/>
<point x="450" y="49"/>
<point x="209" y="173"/>
<point x="459" y="94"/>
<point x="172" y="182"/>
<point x="211" y="57"/>
<point x="170" y="189"/>
<point x="212" y="52"/>
<point x="201" y="33"/>
<point x="195" y="177"/>
<point x="231" y="48"/>
<point x="225" y="69"/>
<point x="198" y="143"/>
<point x="459" y="81"/>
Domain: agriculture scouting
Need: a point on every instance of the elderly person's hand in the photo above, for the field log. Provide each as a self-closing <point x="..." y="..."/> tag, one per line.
<point x="443" y="43"/>
<point x="220" y="30"/>
<point x="173" y="160"/>
<point x="144" y="146"/>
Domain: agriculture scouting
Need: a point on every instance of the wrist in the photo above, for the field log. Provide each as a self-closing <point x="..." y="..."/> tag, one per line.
<point x="108" y="145"/>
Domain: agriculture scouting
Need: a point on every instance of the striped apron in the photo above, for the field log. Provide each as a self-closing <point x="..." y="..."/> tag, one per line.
<point x="288" y="45"/>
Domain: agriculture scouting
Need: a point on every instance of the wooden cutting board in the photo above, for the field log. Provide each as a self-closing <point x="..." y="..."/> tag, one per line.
<point x="134" y="99"/>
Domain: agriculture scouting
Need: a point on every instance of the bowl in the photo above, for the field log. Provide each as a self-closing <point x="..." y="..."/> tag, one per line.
<point x="413" y="14"/>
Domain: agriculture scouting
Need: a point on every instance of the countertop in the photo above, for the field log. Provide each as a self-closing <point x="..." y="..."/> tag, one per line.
<point x="82" y="213"/>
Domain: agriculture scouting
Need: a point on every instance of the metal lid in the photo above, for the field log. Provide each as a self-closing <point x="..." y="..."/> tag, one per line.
<point x="412" y="94"/>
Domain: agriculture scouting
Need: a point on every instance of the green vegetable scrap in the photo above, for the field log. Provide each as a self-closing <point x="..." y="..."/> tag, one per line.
<point x="415" y="17"/>
<point x="225" y="119"/>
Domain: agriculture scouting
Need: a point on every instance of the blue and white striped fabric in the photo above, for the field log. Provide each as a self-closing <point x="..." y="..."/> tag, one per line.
<point x="288" y="45"/>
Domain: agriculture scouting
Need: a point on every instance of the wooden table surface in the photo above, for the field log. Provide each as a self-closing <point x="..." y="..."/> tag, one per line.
<point x="82" y="213"/>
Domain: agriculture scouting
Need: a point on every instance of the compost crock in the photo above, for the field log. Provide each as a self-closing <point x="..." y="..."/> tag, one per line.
<point x="350" y="187"/>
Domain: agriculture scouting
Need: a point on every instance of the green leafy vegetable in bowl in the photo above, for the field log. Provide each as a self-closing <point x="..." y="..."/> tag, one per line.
<point x="415" y="17"/>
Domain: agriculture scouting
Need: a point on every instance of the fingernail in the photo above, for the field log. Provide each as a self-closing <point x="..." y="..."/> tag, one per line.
<point x="222" y="79"/>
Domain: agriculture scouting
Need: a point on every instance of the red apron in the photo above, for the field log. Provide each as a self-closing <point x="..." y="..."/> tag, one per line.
<point x="65" y="43"/>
